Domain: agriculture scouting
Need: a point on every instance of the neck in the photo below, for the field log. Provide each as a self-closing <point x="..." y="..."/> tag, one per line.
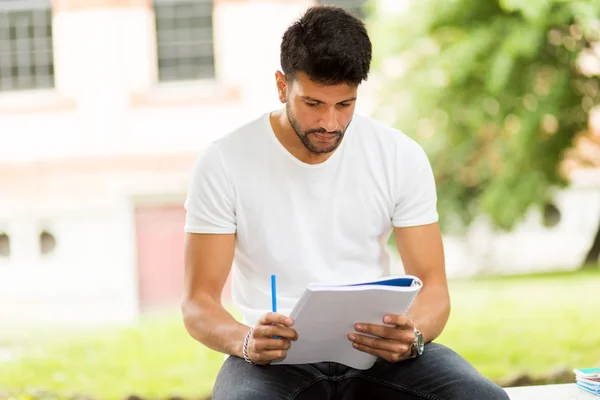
<point x="289" y="139"/>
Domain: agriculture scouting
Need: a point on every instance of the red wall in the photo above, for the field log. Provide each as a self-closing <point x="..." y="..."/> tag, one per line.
<point x="160" y="241"/>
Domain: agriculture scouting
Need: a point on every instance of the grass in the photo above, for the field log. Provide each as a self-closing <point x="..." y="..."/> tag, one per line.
<point x="503" y="326"/>
<point x="526" y="324"/>
<point x="154" y="359"/>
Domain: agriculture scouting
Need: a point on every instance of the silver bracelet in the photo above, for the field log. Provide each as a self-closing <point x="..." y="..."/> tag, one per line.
<point x="245" y="347"/>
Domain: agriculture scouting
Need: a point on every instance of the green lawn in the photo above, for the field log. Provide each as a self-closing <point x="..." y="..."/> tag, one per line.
<point x="502" y="325"/>
<point x="530" y="324"/>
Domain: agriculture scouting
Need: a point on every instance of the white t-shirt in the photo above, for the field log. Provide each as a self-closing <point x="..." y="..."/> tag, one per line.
<point x="306" y="223"/>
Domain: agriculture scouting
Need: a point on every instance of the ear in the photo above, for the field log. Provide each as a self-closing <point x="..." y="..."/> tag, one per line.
<point x="281" y="86"/>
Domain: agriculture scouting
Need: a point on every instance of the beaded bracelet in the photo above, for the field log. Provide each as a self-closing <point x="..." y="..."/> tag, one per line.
<point x="245" y="347"/>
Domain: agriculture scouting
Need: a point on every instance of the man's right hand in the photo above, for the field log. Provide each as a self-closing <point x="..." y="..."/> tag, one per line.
<point x="262" y="347"/>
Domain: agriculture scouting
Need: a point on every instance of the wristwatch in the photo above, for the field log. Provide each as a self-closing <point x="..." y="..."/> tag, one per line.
<point x="418" y="345"/>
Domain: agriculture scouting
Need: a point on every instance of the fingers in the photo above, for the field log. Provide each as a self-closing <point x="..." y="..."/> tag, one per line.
<point x="274" y="324"/>
<point x="402" y="328"/>
<point x="386" y="355"/>
<point x="271" y="338"/>
<point x="268" y="331"/>
<point x="400" y="321"/>
<point x="263" y="350"/>
<point x="379" y="344"/>
<point x="392" y="343"/>
<point x="266" y="357"/>
<point x="275" y="318"/>
<point x="387" y="332"/>
<point x="263" y="344"/>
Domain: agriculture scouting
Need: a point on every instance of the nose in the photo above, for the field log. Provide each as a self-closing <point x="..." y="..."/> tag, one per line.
<point x="329" y="120"/>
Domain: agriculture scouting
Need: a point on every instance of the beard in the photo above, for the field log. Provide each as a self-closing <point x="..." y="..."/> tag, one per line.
<point x="305" y="136"/>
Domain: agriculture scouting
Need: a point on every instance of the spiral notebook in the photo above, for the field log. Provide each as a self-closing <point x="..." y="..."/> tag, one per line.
<point x="326" y="314"/>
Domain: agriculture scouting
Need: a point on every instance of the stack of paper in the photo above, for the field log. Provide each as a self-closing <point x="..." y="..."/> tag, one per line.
<point x="326" y="314"/>
<point x="588" y="379"/>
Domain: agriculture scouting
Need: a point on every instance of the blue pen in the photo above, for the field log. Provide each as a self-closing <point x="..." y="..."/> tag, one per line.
<point x="273" y="293"/>
<point x="274" y="296"/>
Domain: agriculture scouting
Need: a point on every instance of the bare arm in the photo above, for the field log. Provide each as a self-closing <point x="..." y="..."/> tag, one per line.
<point x="422" y="254"/>
<point x="208" y="259"/>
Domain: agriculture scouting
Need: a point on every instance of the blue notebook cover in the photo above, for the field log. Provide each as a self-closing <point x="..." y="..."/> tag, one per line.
<point x="592" y="391"/>
<point x="587" y="372"/>
<point x="398" y="282"/>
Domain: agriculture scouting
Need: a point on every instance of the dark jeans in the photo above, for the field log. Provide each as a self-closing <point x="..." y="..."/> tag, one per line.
<point x="438" y="374"/>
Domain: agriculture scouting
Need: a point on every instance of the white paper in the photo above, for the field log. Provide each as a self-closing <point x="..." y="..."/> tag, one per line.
<point x="324" y="316"/>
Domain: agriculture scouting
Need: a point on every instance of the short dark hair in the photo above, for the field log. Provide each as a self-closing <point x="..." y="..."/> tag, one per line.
<point x="329" y="44"/>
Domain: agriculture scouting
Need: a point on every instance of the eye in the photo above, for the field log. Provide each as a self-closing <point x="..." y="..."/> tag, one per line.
<point x="312" y="104"/>
<point x="345" y="104"/>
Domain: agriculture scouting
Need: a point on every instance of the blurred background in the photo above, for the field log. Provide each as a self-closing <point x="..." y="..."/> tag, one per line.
<point x="106" y="104"/>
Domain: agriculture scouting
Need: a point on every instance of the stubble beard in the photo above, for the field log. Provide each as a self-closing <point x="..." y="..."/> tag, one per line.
<point x="303" y="136"/>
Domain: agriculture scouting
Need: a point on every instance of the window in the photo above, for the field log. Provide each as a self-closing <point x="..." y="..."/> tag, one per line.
<point x="4" y="245"/>
<point x="357" y="7"/>
<point x="47" y="243"/>
<point x="26" y="57"/>
<point x="184" y="30"/>
<point x="551" y="215"/>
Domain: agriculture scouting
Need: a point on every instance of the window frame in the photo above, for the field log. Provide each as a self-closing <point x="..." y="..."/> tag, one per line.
<point x="172" y="75"/>
<point x="36" y="55"/>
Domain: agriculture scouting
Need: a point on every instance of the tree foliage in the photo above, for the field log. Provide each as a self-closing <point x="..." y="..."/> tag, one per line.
<point x="495" y="92"/>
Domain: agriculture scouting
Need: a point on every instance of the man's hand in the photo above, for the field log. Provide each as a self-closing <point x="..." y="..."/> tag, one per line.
<point x="262" y="347"/>
<point x="393" y="343"/>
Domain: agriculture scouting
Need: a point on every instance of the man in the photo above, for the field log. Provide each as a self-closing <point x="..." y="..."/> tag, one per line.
<point x="311" y="193"/>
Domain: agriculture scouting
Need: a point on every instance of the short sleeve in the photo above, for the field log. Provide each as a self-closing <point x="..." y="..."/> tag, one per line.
<point x="416" y="198"/>
<point x="210" y="199"/>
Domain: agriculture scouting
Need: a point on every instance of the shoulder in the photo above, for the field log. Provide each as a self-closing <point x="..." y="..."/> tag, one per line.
<point x="249" y="134"/>
<point x="238" y="143"/>
<point x="391" y="140"/>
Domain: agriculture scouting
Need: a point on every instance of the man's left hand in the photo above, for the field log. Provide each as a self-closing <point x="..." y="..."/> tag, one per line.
<point x="392" y="343"/>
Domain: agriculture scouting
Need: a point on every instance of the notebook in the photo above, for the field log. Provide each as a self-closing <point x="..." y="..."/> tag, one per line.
<point x="588" y="379"/>
<point x="326" y="314"/>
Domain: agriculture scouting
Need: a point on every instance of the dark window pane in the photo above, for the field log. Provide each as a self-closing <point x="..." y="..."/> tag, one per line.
<point x="354" y="6"/>
<point x="26" y="44"/>
<point x="184" y="39"/>
<point x="4" y="245"/>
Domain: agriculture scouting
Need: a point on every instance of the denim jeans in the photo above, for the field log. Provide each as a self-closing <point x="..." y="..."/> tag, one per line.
<point x="438" y="374"/>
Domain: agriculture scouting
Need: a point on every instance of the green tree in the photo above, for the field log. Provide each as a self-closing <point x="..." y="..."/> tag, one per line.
<point x="495" y="92"/>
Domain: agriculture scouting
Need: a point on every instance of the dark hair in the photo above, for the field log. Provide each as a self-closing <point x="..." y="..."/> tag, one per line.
<point x="329" y="44"/>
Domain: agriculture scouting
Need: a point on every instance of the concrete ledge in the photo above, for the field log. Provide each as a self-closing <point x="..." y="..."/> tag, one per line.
<point x="568" y="391"/>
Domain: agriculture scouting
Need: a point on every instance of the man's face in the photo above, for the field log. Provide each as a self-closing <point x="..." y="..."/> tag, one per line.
<point x="319" y="114"/>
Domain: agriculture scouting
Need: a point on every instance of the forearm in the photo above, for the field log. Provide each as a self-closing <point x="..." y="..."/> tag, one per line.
<point x="430" y="311"/>
<point x="209" y="323"/>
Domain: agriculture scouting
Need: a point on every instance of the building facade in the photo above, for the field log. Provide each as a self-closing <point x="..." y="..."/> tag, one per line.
<point x="104" y="108"/>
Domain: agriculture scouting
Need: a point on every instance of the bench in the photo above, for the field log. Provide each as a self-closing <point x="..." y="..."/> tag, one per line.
<point x="567" y="391"/>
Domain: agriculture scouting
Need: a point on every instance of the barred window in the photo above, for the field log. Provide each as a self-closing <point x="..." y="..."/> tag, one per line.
<point x="26" y="56"/>
<point x="184" y="30"/>
<point x="357" y="7"/>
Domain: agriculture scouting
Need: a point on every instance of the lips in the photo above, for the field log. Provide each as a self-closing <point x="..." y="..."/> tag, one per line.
<point x="325" y="137"/>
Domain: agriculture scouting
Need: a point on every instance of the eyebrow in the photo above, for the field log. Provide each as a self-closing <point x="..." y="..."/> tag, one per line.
<point x="319" y="101"/>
